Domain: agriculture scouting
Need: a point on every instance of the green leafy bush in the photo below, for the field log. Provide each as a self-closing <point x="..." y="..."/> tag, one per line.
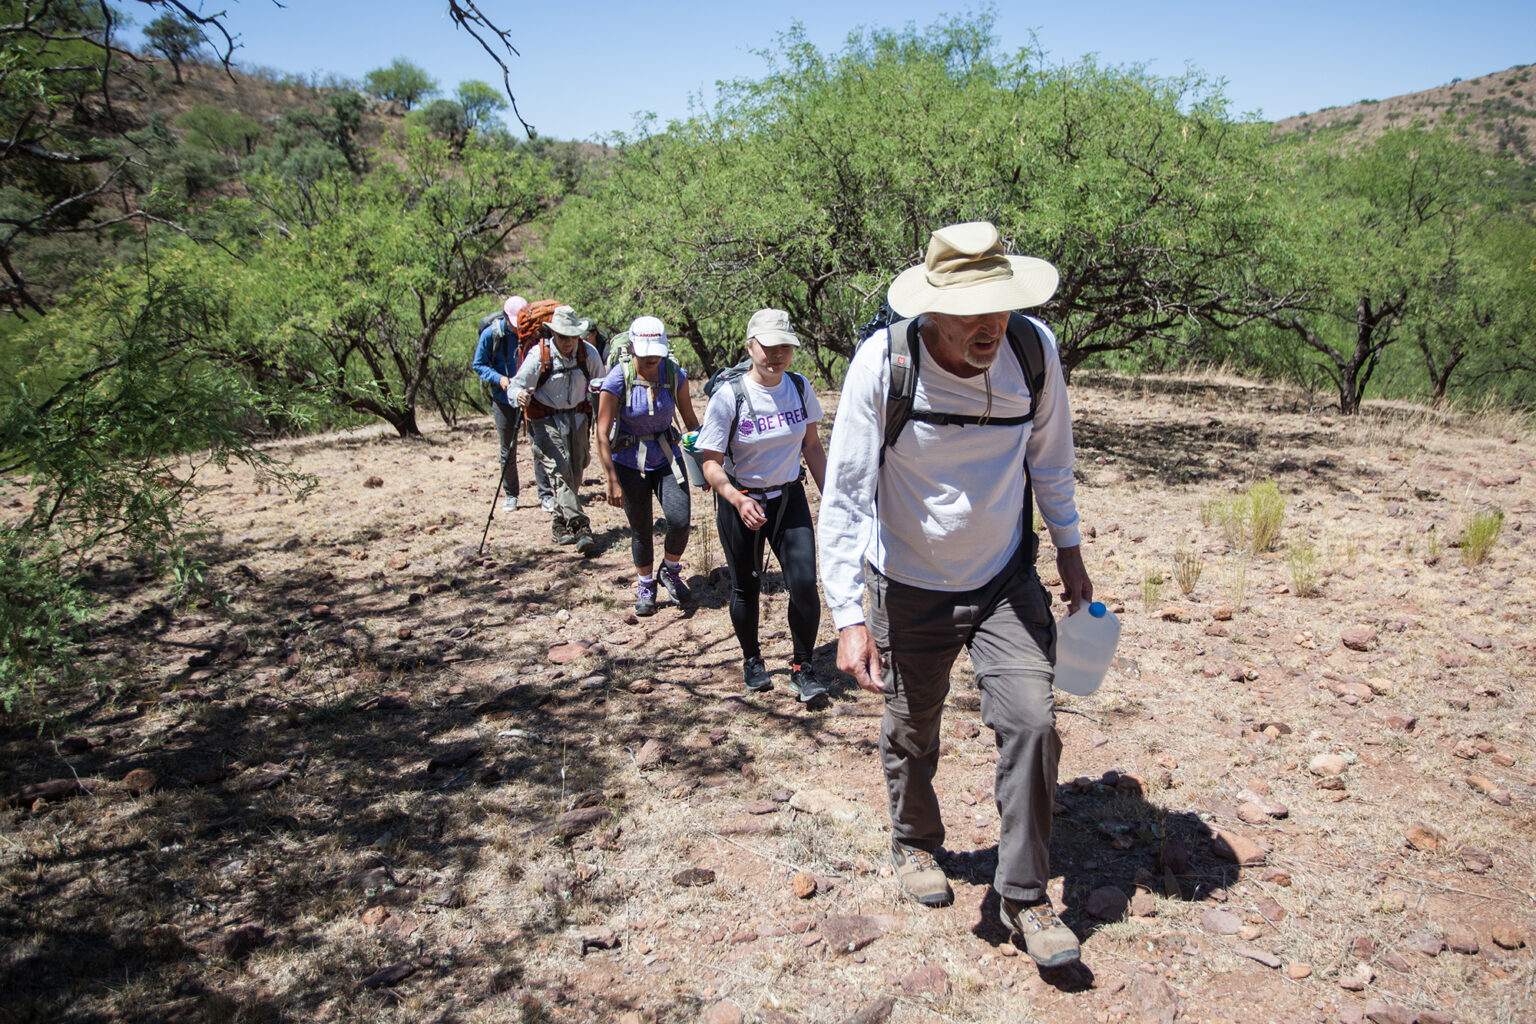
<point x="110" y="434"/>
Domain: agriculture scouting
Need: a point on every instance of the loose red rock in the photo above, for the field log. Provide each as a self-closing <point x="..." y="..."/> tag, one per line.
<point x="926" y="981"/>
<point x="1107" y="903"/>
<point x="1423" y="838"/>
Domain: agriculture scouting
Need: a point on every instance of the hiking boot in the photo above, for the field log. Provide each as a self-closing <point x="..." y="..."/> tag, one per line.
<point x="561" y="532"/>
<point x="755" y="673"/>
<point x="920" y="875"/>
<point x="673" y="580"/>
<point x="802" y="679"/>
<point x="1046" y="939"/>
<point x="586" y="544"/>
<point x="645" y="598"/>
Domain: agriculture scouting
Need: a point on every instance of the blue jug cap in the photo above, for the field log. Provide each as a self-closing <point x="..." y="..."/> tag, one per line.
<point x="1097" y="609"/>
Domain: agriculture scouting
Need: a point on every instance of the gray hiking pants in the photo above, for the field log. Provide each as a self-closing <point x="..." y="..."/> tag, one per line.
<point x="1008" y="629"/>
<point x="562" y="444"/>
<point x="508" y="419"/>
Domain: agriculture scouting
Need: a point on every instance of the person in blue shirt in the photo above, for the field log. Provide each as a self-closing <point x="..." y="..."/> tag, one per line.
<point x="638" y="448"/>
<point x="496" y="363"/>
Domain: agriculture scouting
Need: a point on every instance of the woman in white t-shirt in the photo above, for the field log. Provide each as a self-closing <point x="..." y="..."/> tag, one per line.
<point x="755" y="431"/>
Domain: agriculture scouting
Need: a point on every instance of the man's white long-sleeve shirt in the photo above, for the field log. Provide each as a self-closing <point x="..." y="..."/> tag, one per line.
<point x="945" y="512"/>
<point x="566" y="387"/>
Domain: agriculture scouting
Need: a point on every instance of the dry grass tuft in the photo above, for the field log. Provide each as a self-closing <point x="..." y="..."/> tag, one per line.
<point x="1480" y="535"/>
<point x="1265" y="514"/>
<point x="1187" y="568"/>
<point x="1302" y="558"/>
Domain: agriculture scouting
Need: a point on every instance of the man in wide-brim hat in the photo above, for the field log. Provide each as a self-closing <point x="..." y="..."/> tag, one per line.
<point x="551" y="388"/>
<point x="940" y="516"/>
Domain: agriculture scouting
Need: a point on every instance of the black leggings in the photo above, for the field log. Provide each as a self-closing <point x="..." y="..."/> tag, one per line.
<point x="638" y="489"/>
<point x="793" y="539"/>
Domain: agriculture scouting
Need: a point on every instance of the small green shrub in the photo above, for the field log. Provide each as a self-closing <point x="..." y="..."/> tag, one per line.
<point x="39" y="616"/>
<point x="1151" y="588"/>
<point x="1303" y="561"/>
<point x="1479" y="537"/>
<point x="1252" y="520"/>
<point x="1228" y="514"/>
<point x="1266" y="513"/>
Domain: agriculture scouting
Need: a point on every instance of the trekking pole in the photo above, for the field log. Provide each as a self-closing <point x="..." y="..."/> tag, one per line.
<point x="481" y="549"/>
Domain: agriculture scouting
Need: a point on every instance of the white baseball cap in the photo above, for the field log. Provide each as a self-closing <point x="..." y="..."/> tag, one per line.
<point x="648" y="337"/>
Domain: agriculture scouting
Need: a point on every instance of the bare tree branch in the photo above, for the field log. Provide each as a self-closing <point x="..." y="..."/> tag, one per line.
<point x="466" y="14"/>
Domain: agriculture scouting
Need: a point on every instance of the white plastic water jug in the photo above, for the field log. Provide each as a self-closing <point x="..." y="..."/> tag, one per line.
<point x="1085" y="645"/>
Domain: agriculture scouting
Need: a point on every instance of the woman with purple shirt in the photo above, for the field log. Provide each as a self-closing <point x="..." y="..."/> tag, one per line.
<point x="638" y="448"/>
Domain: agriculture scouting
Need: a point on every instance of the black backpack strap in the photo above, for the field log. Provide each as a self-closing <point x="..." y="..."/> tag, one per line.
<point x="499" y="341"/>
<point x="902" y="357"/>
<point x="739" y="391"/>
<point x="1029" y="349"/>
<point x="799" y="383"/>
<point x="901" y="361"/>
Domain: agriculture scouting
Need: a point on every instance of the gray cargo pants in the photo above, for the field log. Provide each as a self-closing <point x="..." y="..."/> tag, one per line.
<point x="563" y="447"/>
<point x="1008" y="629"/>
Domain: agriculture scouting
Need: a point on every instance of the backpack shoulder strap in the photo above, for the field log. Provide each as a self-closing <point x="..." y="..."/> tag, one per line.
<point x="901" y="358"/>
<point x="546" y="363"/>
<point x="739" y="394"/>
<point x="1029" y="349"/>
<point x="799" y="382"/>
<point x="498" y="340"/>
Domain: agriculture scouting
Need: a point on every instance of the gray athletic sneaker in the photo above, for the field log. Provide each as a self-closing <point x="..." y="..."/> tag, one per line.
<point x="672" y="579"/>
<point x="802" y="680"/>
<point x="755" y="673"/>
<point x="645" y="598"/>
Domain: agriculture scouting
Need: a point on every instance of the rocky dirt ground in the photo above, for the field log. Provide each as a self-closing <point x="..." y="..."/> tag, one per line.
<point x="385" y="777"/>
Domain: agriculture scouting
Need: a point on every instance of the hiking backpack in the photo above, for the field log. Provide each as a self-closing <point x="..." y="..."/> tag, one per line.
<point x="618" y="348"/>
<point x="903" y="355"/>
<point x="530" y="323"/>
<point x="533" y="325"/>
<point x="733" y="375"/>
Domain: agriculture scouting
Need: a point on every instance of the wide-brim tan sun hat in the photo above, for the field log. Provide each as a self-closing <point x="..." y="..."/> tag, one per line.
<point x="966" y="273"/>
<point x="771" y="327"/>
<point x="565" y="321"/>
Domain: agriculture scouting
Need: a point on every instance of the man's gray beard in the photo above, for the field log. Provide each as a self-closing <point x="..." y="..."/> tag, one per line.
<point x="981" y="362"/>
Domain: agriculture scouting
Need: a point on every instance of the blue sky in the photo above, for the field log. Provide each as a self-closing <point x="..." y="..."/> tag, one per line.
<point x="587" y="68"/>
